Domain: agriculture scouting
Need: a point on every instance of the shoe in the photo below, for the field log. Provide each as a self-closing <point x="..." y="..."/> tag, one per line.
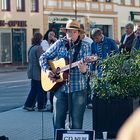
<point x="89" y="106"/>
<point x="28" y="108"/>
<point x="4" y="138"/>
<point x="42" y="110"/>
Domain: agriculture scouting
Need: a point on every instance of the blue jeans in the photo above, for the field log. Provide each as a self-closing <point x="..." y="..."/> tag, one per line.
<point x="36" y="94"/>
<point x="60" y="108"/>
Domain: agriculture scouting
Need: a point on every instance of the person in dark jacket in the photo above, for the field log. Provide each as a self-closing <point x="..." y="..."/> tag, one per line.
<point x="136" y="42"/>
<point x="34" y="73"/>
<point x="127" y="39"/>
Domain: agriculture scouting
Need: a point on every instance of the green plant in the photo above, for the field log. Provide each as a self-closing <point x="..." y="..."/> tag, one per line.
<point x="120" y="77"/>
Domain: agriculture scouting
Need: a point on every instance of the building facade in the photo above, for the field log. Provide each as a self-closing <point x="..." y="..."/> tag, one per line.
<point x="20" y="19"/>
<point x="109" y="15"/>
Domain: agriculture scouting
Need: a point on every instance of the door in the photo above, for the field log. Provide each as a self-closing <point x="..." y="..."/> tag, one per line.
<point x="19" y="46"/>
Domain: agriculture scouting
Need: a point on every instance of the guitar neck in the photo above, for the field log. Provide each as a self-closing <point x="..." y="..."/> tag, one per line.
<point x="67" y="67"/>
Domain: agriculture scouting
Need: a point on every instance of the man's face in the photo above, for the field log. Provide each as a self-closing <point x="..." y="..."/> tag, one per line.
<point x="98" y="38"/>
<point x="72" y="34"/>
<point x="128" y="30"/>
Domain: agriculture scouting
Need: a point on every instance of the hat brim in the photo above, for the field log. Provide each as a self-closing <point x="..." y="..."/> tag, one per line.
<point x="65" y="30"/>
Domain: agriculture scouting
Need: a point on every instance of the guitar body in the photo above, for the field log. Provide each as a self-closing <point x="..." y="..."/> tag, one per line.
<point x="47" y="84"/>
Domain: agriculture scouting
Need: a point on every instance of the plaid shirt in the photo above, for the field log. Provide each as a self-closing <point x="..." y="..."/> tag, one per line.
<point x="59" y="50"/>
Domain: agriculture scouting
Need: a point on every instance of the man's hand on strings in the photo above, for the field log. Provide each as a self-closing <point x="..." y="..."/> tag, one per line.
<point x="53" y="76"/>
<point x="82" y="66"/>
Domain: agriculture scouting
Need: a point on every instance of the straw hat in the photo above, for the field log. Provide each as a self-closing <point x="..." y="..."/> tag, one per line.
<point x="72" y="25"/>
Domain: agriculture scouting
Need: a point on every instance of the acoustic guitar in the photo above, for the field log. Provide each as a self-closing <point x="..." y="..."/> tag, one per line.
<point x="60" y="67"/>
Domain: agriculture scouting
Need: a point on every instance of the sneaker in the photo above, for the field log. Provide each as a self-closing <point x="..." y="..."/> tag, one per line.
<point x="42" y="110"/>
<point x="89" y="106"/>
<point x="4" y="138"/>
<point x="28" y="108"/>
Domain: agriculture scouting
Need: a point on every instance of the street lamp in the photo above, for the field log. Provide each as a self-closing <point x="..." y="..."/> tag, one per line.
<point x="75" y="9"/>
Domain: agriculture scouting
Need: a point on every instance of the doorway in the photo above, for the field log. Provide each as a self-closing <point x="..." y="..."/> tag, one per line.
<point x="19" y="46"/>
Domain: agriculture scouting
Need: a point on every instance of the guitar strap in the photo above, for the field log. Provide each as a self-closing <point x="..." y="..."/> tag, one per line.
<point x="77" y="50"/>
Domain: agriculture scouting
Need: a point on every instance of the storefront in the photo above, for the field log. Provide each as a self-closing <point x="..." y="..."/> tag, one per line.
<point x="106" y="24"/>
<point x="13" y="42"/>
<point x="19" y="46"/>
<point x="56" y="22"/>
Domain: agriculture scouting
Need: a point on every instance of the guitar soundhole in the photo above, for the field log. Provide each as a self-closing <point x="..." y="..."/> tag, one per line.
<point x="57" y="73"/>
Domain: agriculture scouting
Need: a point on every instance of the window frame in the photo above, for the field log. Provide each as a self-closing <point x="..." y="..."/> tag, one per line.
<point x="34" y="5"/>
<point x="20" y="5"/>
<point x="108" y="0"/>
<point x="5" y="5"/>
<point x="123" y="2"/>
<point x="132" y="2"/>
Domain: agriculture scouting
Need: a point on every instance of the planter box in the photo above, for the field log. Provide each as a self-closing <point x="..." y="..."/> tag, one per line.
<point x="110" y="115"/>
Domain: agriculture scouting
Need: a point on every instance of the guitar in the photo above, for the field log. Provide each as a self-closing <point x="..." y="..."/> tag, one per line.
<point x="59" y="66"/>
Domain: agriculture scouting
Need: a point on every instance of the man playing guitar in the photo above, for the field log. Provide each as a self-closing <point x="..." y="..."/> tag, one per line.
<point x="72" y="48"/>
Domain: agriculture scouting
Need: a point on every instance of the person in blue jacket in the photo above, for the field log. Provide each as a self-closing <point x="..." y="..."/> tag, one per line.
<point x="102" y="46"/>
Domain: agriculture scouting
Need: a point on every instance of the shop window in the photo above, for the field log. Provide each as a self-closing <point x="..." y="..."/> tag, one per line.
<point x="123" y="2"/>
<point x="56" y="28"/>
<point x="20" y="5"/>
<point x="132" y="2"/>
<point x="5" y="42"/>
<point x="5" y="5"/>
<point x="19" y="46"/>
<point x="35" y="5"/>
<point x="36" y="30"/>
<point x="104" y="28"/>
<point x="108" y="0"/>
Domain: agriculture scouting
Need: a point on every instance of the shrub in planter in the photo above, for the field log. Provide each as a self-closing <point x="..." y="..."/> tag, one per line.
<point x="120" y="77"/>
<point x="115" y="91"/>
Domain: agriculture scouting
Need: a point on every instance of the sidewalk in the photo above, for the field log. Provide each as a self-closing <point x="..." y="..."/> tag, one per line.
<point x="12" y="68"/>
<point x="19" y="124"/>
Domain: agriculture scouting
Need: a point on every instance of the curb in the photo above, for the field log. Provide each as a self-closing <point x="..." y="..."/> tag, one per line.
<point x="13" y="69"/>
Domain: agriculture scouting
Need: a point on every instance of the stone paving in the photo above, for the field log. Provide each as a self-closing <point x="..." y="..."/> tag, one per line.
<point x="19" y="124"/>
